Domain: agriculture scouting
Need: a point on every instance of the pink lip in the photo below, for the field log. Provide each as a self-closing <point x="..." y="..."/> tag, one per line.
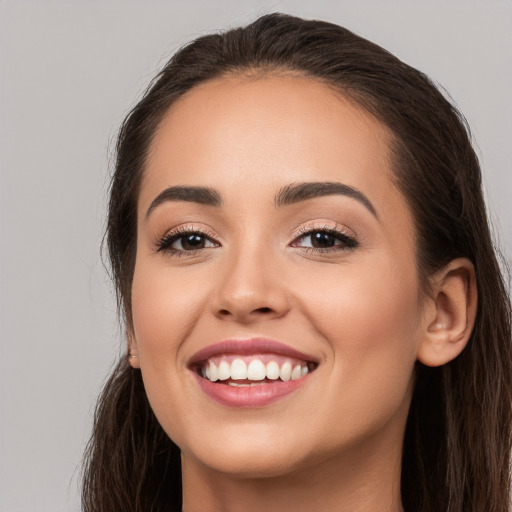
<point x="253" y="396"/>
<point x="248" y="347"/>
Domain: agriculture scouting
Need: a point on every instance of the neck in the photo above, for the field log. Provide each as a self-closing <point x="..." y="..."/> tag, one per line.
<point x="356" y="482"/>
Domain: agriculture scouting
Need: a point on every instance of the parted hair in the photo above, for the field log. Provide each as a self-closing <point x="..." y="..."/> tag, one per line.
<point x="456" y="450"/>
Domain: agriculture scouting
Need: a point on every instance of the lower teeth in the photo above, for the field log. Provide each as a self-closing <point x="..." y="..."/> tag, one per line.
<point x="243" y="385"/>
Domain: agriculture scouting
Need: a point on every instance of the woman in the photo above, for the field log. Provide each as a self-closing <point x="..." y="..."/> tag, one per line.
<point x="314" y="312"/>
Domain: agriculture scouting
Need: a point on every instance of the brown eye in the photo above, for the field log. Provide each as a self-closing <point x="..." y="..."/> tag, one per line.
<point x="185" y="242"/>
<point x="321" y="239"/>
<point x="190" y="242"/>
<point x="325" y="239"/>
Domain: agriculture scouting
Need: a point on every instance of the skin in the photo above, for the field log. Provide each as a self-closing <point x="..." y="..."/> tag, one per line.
<point x="336" y="444"/>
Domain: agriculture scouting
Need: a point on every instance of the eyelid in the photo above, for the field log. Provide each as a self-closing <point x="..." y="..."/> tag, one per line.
<point x="331" y="227"/>
<point x="348" y="238"/>
<point x="175" y="233"/>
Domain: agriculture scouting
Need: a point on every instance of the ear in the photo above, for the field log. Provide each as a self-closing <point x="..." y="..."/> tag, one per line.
<point x="450" y="313"/>
<point x="133" y="350"/>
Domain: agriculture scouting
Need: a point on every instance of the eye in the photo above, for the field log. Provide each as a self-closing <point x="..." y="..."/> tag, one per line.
<point x="325" y="239"/>
<point x="185" y="241"/>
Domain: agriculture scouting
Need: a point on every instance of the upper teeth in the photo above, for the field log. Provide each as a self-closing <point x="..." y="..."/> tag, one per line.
<point x="256" y="370"/>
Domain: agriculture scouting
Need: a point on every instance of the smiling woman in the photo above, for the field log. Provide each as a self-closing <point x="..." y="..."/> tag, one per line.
<point x="315" y="316"/>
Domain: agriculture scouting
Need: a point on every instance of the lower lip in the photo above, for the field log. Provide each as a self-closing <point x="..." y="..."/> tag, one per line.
<point x="249" y="396"/>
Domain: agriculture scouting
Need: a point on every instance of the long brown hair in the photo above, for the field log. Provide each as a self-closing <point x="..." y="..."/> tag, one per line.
<point x="457" y="444"/>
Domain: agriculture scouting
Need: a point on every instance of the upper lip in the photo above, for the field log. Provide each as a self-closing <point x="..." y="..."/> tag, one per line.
<point x="249" y="347"/>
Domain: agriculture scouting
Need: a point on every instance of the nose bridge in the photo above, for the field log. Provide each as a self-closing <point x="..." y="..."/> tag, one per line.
<point x="249" y="285"/>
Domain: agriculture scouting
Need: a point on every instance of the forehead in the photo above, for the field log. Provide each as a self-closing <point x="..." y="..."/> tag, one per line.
<point x="257" y="133"/>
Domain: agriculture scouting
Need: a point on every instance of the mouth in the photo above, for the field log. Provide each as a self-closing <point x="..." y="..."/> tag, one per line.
<point x="237" y="370"/>
<point x="250" y="373"/>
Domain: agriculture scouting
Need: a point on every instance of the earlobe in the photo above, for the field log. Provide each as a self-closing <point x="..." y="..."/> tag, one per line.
<point x="133" y="353"/>
<point x="451" y="313"/>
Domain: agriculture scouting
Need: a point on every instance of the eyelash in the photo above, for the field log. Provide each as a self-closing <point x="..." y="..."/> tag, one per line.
<point x="165" y="243"/>
<point x="348" y="242"/>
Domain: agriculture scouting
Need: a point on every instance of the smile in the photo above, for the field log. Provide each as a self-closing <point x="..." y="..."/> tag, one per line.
<point x="259" y="368"/>
<point x="250" y="373"/>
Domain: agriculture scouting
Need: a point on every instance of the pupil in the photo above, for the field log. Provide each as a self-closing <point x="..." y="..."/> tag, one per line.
<point x="191" y="242"/>
<point x="320" y="240"/>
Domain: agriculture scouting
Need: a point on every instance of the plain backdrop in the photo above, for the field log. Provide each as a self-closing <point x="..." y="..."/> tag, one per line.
<point x="69" y="72"/>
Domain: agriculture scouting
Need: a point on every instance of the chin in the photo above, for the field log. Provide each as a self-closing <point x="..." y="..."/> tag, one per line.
<point x="252" y="464"/>
<point x="248" y="453"/>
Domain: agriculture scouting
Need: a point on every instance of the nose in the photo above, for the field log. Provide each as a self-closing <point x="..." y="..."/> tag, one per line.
<point x="250" y="288"/>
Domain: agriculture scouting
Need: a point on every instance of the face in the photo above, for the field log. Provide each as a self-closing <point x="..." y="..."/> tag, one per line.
<point x="275" y="255"/>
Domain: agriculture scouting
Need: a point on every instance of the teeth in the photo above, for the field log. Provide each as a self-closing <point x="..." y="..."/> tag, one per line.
<point x="238" y="370"/>
<point x="244" y="384"/>
<point x="286" y="371"/>
<point x="296" y="372"/>
<point x="213" y="372"/>
<point x="272" y="370"/>
<point x="224" y="370"/>
<point x="255" y="371"/>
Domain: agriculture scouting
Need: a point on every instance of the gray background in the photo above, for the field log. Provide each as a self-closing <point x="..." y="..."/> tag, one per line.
<point x="69" y="72"/>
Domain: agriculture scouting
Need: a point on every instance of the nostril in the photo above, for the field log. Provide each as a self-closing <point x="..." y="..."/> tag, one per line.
<point x="263" y="310"/>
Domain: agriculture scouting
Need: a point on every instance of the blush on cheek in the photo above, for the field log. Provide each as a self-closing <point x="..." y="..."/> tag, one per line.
<point x="363" y="321"/>
<point x="162" y="308"/>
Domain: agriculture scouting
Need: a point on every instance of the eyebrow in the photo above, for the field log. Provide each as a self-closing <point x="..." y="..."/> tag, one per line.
<point x="288" y="195"/>
<point x="201" y="195"/>
<point x="297" y="192"/>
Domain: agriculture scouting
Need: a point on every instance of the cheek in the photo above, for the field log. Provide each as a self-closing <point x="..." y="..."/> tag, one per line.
<point x="368" y="306"/>
<point x="165" y="307"/>
<point x="369" y="322"/>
